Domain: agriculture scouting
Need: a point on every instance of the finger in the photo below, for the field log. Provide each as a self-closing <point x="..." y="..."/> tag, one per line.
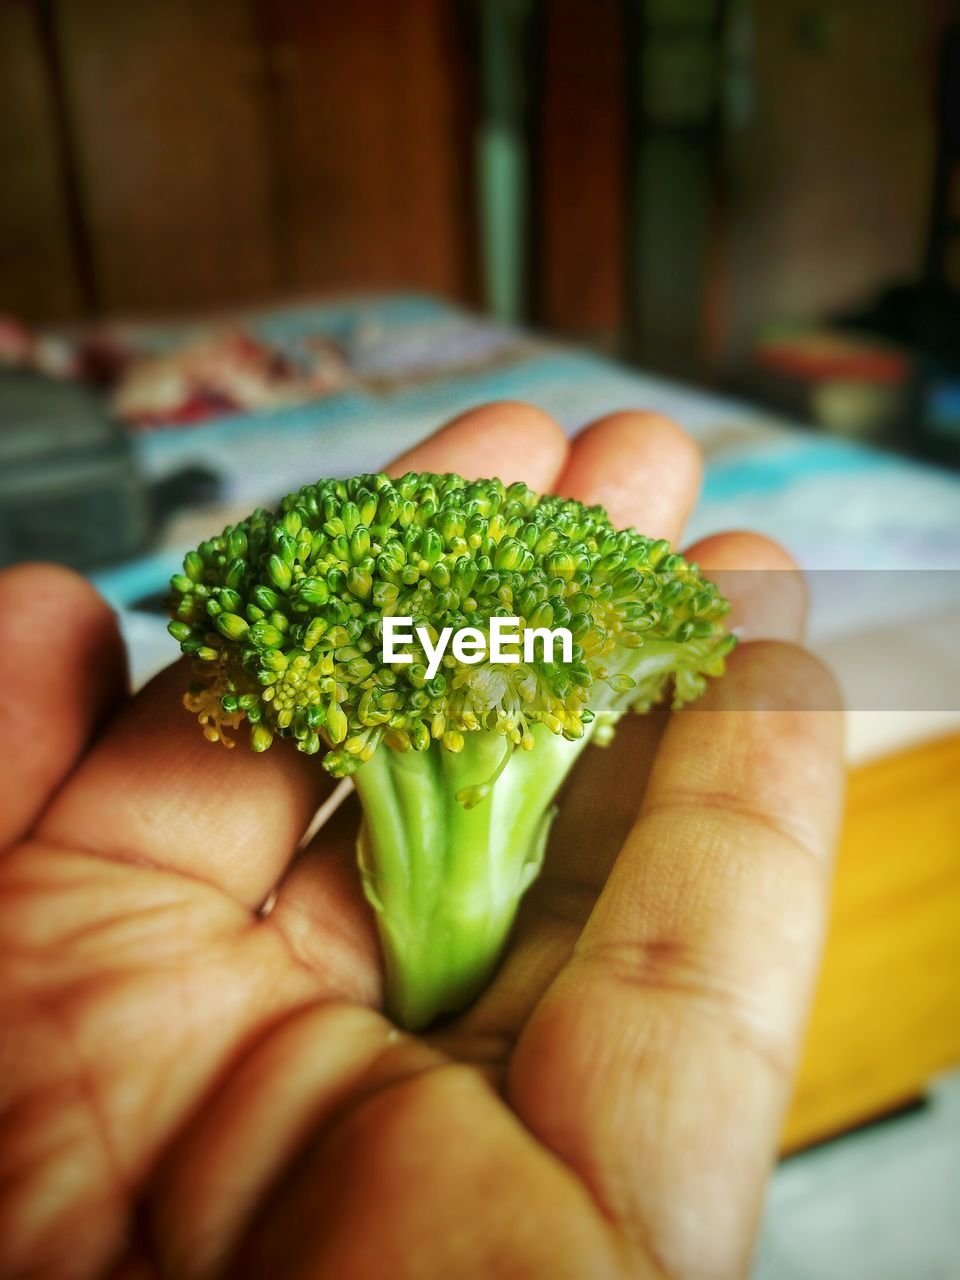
<point x="658" y="1064"/>
<point x="155" y="789"/>
<point x="646" y="472"/>
<point x="641" y="467"/>
<point x="321" y="898"/>
<point x="509" y="440"/>
<point x="767" y="591"/>
<point x="62" y="668"/>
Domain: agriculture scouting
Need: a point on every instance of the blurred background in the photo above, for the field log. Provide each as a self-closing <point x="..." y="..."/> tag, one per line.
<point x="745" y="193"/>
<point x="245" y="243"/>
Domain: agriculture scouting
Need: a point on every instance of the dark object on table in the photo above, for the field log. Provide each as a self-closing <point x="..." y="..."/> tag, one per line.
<point x="71" y="490"/>
<point x="70" y="487"/>
<point x="850" y="383"/>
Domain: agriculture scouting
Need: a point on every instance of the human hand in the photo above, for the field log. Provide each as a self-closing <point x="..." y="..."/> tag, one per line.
<point x="192" y="1087"/>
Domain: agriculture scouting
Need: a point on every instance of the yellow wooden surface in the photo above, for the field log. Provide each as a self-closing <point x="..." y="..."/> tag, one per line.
<point x="887" y="1013"/>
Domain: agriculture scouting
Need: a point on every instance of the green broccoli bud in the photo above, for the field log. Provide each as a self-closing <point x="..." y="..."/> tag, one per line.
<point x="456" y="758"/>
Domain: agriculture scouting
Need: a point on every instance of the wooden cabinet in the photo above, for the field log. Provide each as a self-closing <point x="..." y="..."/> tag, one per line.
<point x="226" y="152"/>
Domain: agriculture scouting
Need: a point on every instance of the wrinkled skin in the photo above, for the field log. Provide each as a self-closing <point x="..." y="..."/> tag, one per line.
<point x="193" y="1087"/>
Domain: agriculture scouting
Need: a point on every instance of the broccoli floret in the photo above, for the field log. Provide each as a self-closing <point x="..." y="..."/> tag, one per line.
<point x="457" y="768"/>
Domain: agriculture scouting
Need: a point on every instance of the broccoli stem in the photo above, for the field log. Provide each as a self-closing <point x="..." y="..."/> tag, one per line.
<point x="444" y="880"/>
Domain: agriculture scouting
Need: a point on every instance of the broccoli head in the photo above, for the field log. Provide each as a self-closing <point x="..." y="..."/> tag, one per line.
<point x="456" y="757"/>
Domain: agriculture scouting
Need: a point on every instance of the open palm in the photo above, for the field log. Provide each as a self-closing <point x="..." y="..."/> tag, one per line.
<point x="195" y="1085"/>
